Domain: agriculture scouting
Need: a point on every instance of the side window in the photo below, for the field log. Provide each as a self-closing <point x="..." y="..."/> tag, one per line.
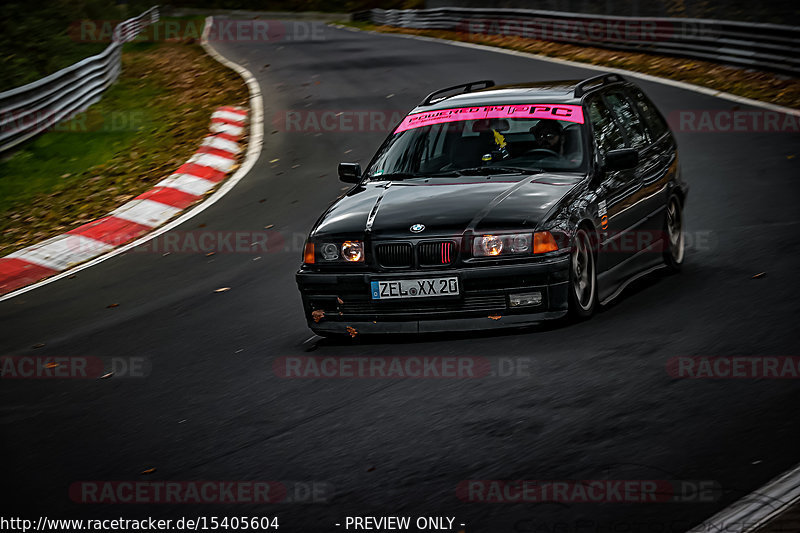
<point x="606" y="133"/>
<point x="628" y="117"/>
<point x="652" y="118"/>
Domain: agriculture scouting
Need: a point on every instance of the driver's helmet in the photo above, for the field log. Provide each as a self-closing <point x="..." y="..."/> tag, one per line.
<point x="549" y="134"/>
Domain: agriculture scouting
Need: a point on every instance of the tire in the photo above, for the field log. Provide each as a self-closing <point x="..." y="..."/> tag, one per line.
<point x="582" y="277"/>
<point x="674" y="238"/>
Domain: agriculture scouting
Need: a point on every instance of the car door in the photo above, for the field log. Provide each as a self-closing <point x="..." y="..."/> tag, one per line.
<point x="640" y="237"/>
<point x="615" y="189"/>
<point x="662" y="151"/>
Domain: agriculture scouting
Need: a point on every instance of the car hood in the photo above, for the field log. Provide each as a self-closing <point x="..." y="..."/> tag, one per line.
<point x="445" y="206"/>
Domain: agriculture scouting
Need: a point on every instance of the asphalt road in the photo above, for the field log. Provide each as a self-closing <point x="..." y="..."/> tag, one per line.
<point x="596" y="404"/>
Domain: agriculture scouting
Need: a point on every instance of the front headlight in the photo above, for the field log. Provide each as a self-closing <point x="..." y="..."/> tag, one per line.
<point x="329" y="251"/>
<point x="334" y="252"/>
<point x="353" y="251"/>
<point x="494" y="245"/>
<point x="513" y="244"/>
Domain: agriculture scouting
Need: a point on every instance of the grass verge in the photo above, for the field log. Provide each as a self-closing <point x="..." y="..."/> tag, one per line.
<point x="147" y="124"/>
<point x="764" y="86"/>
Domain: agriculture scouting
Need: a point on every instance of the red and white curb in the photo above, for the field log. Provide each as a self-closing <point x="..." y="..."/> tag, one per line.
<point x="212" y="162"/>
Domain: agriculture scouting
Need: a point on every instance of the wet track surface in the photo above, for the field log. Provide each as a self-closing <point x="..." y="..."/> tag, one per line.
<point x="598" y="403"/>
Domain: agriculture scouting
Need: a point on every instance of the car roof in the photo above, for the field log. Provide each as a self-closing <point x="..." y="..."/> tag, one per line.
<point x="548" y="92"/>
<point x="553" y="92"/>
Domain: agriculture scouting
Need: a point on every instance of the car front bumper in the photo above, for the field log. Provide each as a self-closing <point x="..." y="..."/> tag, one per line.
<point x="340" y="302"/>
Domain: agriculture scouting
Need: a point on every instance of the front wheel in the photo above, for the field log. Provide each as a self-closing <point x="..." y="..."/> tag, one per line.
<point x="582" y="278"/>
<point x="674" y="236"/>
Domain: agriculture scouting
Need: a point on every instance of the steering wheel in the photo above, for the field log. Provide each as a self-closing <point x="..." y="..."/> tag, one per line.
<point x="542" y="150"/>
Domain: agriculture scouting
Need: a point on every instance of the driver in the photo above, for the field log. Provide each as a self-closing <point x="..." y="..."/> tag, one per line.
<point x="549" y="135"/>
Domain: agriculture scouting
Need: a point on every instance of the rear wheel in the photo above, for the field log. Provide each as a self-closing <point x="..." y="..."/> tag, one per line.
<point x="582" y="277"/>
<point x="673" y="235"/>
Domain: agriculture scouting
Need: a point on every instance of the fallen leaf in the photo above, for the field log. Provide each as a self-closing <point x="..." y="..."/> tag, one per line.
<point x="352" y="331"/>
<point x="759" y="275"/>
<point x="148" y="471"/>
<point x="222" y="289"/>
<point x="270" y="226"/>
<point x="51" y="365"/>
<point x="109" y="306"/>
<point x="274" y="160"/>
<point x="339" y="300"/>
<point x="495" y="317"/>
<point x="317" y="315"/>
<point x="371" y="469"/>
<point x="209" y="254"/>
<point x="107" y="375"/>
<point x="38" y="345"/>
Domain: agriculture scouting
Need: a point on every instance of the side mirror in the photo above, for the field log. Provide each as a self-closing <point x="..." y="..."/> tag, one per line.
<point x="350" y="172"/>
<point x="623" y="159"/>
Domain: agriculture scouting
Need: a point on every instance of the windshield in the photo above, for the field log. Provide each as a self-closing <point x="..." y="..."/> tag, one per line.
<point x="481" y="146"/>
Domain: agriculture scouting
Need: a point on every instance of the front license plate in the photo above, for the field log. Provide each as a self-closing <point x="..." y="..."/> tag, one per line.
<point x="414" y="288"/>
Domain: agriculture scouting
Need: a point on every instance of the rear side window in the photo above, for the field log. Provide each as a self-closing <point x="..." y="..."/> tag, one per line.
<point x="628" y="117"/>
<point x="607" y="134"/>
<point x="652" y="118"/>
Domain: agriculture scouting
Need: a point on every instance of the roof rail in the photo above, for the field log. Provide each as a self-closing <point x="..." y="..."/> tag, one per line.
<point x="597" y="81"/>
<point x="468" y="87"/>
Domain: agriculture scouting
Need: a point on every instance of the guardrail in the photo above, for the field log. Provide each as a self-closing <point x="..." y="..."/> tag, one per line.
<point x="31" y="109"/>
<point x="771" y="47"/>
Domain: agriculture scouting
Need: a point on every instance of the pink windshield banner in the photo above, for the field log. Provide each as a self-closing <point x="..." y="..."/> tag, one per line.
<point x="569" y="113"/>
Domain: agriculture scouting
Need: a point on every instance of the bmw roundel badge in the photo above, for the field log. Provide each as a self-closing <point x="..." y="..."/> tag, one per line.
<point x="417" y="228"/>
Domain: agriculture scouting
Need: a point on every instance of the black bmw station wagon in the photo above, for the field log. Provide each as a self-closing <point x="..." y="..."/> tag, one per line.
<point x="496" y="206"/>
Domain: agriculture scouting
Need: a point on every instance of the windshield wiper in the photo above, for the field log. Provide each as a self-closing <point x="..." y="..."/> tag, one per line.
<point x="396" y="176"/>
<point x="484" y="171"/>
<point x="408" y="175"/>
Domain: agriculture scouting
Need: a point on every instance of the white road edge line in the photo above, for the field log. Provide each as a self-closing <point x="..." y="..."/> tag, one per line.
<point x="255" y="142"/>
<point x="757" y="508"/>
<point x="647" y="77"/>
